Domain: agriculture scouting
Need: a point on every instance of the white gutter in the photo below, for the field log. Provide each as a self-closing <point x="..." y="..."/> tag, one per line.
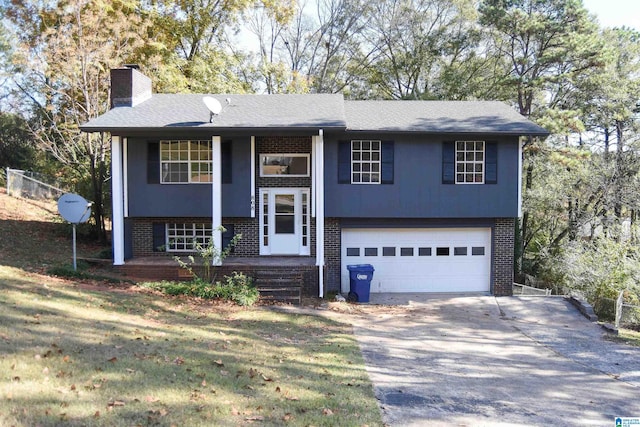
<point x="125" y="177"/>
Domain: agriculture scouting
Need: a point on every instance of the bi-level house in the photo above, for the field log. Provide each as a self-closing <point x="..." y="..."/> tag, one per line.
<point x="427" y="192"/>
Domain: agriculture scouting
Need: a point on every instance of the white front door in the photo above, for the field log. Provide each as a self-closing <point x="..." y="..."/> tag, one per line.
<point x="284" y="221"/>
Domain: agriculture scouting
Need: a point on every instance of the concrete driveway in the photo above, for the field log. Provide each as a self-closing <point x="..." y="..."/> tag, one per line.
<point x="486" y="361"/>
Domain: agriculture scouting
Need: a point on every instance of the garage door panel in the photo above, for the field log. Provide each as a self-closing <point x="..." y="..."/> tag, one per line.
<point x="407" y="260"/>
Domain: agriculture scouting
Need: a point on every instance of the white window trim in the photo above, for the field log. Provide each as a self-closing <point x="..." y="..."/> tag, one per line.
<point x="302" y="155"/>
<point x="379" y="161"/>
<point x="205" y="227"/>
<point x="484" y="159"/>
<point x="189" y="163"/>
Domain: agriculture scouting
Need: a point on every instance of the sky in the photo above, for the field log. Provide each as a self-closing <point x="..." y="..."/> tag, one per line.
<point x="615" y="13"/>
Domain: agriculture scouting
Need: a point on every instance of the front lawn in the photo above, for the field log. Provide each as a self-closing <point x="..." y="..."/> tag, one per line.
<point x="72" y="354"/>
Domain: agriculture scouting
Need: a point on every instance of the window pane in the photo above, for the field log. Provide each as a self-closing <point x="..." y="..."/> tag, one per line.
<point x="477" y="250"/>
<point x="355" y="145"/>
<point x="406" y="251"/>
<point x="370" y="251"/>
<point x="442" y="251"/>
<point x="460" y="250"/>
<point x="424" y="251"/>
<point x="285" y="224"/>
<point x="353" y="251"/>
<point x="285" y="203"/>
<point x="388" y="251"/>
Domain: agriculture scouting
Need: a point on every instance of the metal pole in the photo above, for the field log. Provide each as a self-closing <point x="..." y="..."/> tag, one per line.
<point x="75" y="267"/>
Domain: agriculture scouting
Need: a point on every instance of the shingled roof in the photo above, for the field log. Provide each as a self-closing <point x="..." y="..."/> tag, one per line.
<point x="438" y="117"/>
<point x="316" y="111"/>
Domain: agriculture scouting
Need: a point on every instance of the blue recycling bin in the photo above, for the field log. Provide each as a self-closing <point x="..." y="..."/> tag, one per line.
<point x="360" y="276"/>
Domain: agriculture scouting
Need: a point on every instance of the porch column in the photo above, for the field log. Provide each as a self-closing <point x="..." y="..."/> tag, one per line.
<point x="319" y="207"/>
<point x="216" y="195"/>
<point x="117" y="195"/>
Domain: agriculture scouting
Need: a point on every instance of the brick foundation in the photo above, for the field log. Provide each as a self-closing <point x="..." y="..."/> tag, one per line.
<point x="503" y="253"/>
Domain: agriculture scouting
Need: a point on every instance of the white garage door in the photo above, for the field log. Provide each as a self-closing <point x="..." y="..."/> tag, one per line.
<point x="420" y="260"/>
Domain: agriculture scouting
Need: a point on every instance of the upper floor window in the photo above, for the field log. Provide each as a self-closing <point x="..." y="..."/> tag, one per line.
<point x="185" y="161"/>
<point x="365" y="162"/>
<point x="293" y="165"/>
<point x="469" y="162"/>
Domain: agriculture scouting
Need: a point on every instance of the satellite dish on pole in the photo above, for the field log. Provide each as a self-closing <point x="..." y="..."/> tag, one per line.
<point x="214" y="106"/>
<point x="76" y="210"/>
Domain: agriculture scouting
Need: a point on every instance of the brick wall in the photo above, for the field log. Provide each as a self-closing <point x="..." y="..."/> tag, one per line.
<point x="503" y="253"/>
<point x="282" y="145"/>
<point x="332" y="254"/>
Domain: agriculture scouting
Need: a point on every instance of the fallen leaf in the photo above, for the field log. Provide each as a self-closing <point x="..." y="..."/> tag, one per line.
<point x="131" y="371"/>
<point x="73" y="387"/>
<point x="287" y="417"/>
<point x="114" y="403"/>
<point x="96" y="415"/>
<point x="254" y="418"/>
<point x="45" y="370"/>
<point x="178" y="361"/>
<point x="66" y="359"/>
<point x="327" y="411"/>
<point x="224" y="373"/>
<point x="113" y="359"/>
<point x="265" y="378"/>
<point x="277" y="389"/>
<point x="151" y="399"/>
<point x="218" y="362"/>
<point x="234" y="411"/>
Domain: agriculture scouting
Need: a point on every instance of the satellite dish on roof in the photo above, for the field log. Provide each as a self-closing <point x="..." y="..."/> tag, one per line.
<point x="213" y="105"/>
<point x="74" y="208"/>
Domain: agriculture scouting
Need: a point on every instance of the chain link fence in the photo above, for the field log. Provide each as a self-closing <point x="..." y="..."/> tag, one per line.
<point x="31" y="185"/>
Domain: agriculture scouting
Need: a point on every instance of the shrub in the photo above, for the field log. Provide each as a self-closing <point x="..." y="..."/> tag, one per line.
<point x="237" y="288"/>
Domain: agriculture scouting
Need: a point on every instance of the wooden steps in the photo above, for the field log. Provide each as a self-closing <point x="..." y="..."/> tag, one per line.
<point x="280" y="285"/>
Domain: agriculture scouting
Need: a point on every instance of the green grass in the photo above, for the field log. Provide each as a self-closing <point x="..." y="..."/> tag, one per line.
<point x="629" y="336"/>
<point x="73" y="356"/>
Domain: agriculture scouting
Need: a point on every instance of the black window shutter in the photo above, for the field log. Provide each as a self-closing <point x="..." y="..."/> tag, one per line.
<point x="448" y="162"/>
<point x="225" y="156"/>
<point x="491" y="163"/>
<point x="387" y="162"/>
<point x="344" y="162"/>
<point x="153" y="162"/>
<point x="227" y="236"/>
<point x="159" y="238"/>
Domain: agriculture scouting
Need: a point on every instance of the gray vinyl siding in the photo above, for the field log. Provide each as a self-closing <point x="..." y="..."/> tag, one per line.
<point x="417" y="190"/>
<point x="188" y="200"/>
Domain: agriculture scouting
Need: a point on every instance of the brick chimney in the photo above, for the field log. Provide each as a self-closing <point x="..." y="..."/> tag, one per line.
<point x="129" y="87"/>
